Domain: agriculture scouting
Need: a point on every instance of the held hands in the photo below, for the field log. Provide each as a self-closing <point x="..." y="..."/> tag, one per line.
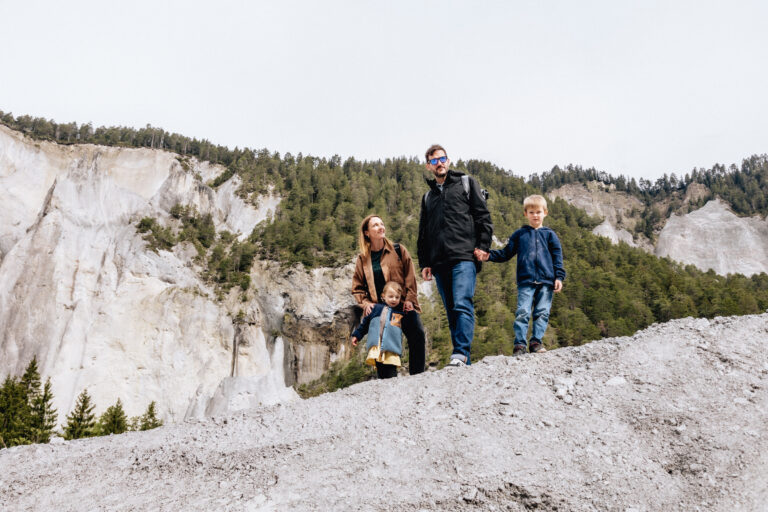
<point x="354" y="341"/>
<point x="367" y="309"/>
<point x="407" y="306"/>
<point x="481" y="255"/>
<point x="558" y="286"/>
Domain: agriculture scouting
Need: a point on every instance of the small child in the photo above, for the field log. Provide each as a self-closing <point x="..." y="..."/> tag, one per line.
<point x="539" y="272"/>
<point x="385" y="337"/>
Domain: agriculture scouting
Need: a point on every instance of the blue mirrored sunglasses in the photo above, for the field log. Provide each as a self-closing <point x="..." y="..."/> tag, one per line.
<point x="442" y="160"/>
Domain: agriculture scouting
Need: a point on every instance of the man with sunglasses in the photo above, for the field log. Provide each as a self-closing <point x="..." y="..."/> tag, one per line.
<point x="454" y="224"/>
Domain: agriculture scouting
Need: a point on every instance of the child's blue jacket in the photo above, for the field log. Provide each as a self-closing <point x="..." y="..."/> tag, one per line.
<point x="392" y="339"/>
<point x="539" y="255"/>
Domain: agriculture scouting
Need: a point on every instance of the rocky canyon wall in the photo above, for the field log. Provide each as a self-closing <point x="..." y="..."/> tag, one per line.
<point x="81" y="291"/>
<point x="712" y="237"/>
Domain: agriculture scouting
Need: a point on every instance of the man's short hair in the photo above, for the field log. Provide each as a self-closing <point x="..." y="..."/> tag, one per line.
<point x="433" y="148"/>
<point x="535" y="200"/>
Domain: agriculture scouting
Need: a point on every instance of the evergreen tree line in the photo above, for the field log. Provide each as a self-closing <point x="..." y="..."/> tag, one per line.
<point x="745" y="188"/>
<point x="120" y="136"/>
<point x="27" y="414"/>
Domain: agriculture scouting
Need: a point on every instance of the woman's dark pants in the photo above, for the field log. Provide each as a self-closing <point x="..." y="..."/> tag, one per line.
<point x="385" y="371"/>
<point x="414" y="333"/>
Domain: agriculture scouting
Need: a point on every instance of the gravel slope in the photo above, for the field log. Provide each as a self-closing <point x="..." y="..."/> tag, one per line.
<point x="672" y="418"/>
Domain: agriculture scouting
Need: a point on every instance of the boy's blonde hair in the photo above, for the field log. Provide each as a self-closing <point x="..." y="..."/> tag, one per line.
<point x="394" y="286"/>
<point x="535" y="200"/>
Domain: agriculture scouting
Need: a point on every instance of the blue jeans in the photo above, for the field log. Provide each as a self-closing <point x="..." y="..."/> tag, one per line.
<point x="456" y="285"/>
<point x="536" y="297"/>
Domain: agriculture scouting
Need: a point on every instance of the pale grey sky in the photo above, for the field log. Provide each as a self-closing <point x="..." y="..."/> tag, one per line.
<point x="630" y="87"/>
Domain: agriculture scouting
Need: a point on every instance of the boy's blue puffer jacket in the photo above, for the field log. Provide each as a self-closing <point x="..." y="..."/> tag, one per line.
<point x="392" y="340"/>
<point x="539" y="255"/>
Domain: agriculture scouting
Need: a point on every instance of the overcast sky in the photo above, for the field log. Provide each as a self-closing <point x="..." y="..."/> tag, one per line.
<point x="640" y="88"/>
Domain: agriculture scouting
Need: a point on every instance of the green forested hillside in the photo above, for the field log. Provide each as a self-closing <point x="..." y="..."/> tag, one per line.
<point x="610" y="289"/>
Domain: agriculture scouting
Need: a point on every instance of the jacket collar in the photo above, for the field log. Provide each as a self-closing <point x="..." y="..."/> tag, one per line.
<point x="451" y="177"/>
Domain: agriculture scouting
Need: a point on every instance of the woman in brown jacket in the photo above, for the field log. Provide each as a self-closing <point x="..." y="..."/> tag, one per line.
<point x="380" y="261"/>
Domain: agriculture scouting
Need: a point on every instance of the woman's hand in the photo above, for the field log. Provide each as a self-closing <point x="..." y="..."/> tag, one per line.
<point x="408" y="306"/>
<point x="367" y="309"/>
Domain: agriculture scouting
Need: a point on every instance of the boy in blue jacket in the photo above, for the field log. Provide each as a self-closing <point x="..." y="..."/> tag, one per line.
<point x="383" y="325"/>
<point x="539" y="272"/>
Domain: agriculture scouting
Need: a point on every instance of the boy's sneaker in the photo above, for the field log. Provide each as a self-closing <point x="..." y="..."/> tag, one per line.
<point x="519" y="350"/>
<point x="537" y="347"/>
<point x="456" y="363"/>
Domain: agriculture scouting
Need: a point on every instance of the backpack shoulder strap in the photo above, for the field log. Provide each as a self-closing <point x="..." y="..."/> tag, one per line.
<point x="465" y="182"/>
<point x="397" y="250"/>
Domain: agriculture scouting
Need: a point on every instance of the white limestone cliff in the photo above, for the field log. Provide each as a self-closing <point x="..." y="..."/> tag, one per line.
<point x="80" y="290"/>
<point x="713" y="237"/>
<point x="615" y="208"/>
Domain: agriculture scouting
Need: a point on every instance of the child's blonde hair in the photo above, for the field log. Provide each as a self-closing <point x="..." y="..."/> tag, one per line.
<point x="534" y="200"/>
<point x="394" y="286"/>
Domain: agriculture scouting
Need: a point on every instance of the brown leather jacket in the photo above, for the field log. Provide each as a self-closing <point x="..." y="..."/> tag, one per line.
<point x="394" y="269"/>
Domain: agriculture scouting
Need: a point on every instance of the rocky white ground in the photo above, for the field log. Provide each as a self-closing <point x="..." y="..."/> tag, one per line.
<point x="672" y="418"/>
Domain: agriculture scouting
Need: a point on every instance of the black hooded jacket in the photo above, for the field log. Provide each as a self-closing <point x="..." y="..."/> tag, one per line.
<point x="452" y="224"/>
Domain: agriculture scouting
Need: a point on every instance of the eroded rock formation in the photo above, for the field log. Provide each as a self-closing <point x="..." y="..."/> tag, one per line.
<point x="80" y="290"/>
<point x="712" y="237"/>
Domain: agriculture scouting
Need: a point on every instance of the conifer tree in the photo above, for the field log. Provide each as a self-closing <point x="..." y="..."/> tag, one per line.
<point x="31" y="380"/>
<point x="80" y="422"/>
<point x="134" y="424"/>
<point x="149" y="420"/>
<point x="42" y="415"/>
<point x="13" y="413"/>
<point x="113" y="421"/>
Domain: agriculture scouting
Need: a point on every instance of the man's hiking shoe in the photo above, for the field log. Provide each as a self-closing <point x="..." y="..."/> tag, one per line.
<point x="456" y="363"/>
<point x="519" y="350"/>
<point x="537" y="347"/>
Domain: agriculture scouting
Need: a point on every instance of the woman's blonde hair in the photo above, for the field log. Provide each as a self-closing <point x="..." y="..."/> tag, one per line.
<point x="363" y="241"/>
